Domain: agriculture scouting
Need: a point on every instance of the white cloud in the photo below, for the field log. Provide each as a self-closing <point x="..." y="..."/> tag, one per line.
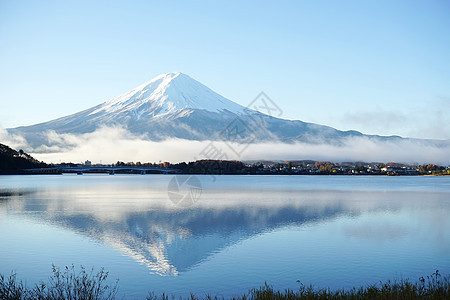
<point x="110" y="144"/>
<point x="354" y="149"/>
<point x="14" y="141"/>
<point x="379" y="120"/>
<point x="429" y="121"/>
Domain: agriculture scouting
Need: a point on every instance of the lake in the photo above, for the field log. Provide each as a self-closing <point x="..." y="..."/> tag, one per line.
<point x="223" y="235"/>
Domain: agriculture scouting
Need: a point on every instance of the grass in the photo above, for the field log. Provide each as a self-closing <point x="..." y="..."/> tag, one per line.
<point x="66" y="284"/>
<point x="80" y="285"/>
<point x="431" y="287"/>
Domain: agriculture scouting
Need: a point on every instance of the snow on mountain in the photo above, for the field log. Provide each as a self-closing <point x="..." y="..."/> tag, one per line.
<point x="168" y="94"/>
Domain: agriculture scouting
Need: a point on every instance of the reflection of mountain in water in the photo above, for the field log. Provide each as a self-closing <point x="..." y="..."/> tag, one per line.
<point x="170" y="240"/>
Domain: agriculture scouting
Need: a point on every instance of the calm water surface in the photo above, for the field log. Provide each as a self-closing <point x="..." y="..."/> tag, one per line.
<point x="227" y="235"/>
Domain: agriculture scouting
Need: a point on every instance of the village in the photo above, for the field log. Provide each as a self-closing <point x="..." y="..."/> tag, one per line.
<point x="309" y="167"/>
<point x="300" y="167"/>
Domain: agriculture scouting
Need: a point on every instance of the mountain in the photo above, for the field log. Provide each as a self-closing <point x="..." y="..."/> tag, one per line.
<point x="174" y="105"/>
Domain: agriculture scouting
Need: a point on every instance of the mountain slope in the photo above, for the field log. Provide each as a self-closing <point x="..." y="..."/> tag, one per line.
<point x="174" y="105"/>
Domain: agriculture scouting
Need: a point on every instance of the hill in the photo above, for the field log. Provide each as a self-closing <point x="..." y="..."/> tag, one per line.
<point x="14" y="162"/>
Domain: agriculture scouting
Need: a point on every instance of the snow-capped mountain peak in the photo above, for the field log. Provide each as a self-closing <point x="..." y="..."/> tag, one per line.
<point x="168" y="94"/>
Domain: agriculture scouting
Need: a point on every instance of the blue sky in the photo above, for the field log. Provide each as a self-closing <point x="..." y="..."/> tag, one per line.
<point x="380" y="67"/>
